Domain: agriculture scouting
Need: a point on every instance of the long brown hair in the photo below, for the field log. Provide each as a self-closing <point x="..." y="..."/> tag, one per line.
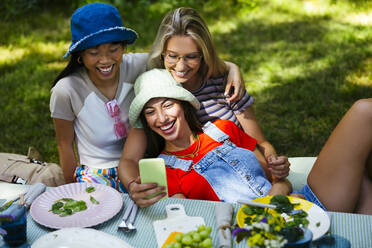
<point x="156" y="143"/>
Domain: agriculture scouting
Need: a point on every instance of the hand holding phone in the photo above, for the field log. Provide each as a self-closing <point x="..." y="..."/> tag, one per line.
<point x="152" y="170"/>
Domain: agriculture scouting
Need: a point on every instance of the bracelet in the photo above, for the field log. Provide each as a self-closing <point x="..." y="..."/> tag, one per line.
<point x="130" y="184"/>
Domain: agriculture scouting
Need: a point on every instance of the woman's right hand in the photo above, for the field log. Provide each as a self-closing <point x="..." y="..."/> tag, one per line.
<point x="139" y="192"/>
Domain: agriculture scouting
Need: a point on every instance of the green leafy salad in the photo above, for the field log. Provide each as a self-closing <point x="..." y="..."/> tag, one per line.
<point x="68" y="206"/>
<point x="272" y="227"/>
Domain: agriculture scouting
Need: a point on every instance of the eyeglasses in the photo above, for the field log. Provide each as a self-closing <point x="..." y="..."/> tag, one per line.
<point x="191" y="58"/>
<point x="114" y="110"/>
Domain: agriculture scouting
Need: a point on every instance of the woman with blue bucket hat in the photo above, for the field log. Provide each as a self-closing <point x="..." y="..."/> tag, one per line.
<point x="91" y="96"/>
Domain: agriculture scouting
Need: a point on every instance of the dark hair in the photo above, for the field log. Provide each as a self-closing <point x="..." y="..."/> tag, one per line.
<point x="156" y="143"/>
<point x="73" y="65"/>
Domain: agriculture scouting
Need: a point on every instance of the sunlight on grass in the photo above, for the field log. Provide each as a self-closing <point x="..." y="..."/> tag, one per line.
<point x="223" y="26"/>
<point x="49" y="48"/>
<point x="56" y="65"/>
<point x="11" y="55"/>
<point x="363" y="19"/>
<point x="363" y="76"/>
<point x="313" y="7"/>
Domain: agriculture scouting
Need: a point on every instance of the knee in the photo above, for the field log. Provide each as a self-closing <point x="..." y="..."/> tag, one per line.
<point x="363" y="108"/>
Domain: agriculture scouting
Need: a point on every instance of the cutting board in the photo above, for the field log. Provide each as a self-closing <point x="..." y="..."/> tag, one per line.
<point x="176" y="221"/>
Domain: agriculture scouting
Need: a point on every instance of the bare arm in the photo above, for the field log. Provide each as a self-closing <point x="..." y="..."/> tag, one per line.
<point x="250" y="125"/>
<point x="134" y="150"/>
<point x="281" y="187"/>
<point x="278" y="165"/>
<point x="65" y="139"/>
<point x="234" y="80"/>
<point x="263" y="163"/>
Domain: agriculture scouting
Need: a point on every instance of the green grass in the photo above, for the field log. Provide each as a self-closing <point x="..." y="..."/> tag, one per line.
<point x="305" y="63"/>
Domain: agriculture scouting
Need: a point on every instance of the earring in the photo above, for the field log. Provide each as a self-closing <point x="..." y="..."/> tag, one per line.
<point x="79" y="60"/>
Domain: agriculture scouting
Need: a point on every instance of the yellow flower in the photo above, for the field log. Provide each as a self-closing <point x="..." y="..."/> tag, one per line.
<point x="256" y="239"/>
<point x="277" y="228"/>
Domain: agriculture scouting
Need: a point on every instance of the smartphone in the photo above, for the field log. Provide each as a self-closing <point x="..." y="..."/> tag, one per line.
<point x="152" y="170"/>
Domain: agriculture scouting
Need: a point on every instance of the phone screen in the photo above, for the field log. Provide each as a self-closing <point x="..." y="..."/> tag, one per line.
<point x="152" y="170"/>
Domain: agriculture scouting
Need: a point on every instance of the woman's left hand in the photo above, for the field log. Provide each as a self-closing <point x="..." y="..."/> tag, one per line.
<point x="234" y="82"/>
<point x="279" y="166"/>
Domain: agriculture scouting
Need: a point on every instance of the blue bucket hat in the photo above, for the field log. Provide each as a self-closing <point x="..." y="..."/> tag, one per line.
<point x="97" y="23"/>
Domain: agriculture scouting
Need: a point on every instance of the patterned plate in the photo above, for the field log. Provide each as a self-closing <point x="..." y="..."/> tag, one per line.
<point x="110" y="203"/>
<point x="319" y="221"/>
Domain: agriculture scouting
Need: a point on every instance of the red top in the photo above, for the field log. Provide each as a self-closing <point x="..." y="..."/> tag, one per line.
<point x="190" y="183"/>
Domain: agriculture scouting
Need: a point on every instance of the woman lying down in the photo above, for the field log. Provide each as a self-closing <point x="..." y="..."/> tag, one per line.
<point x="218" y="161"/>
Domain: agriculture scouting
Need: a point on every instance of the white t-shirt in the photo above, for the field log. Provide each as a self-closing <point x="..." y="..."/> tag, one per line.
<point x="75" y="98"/>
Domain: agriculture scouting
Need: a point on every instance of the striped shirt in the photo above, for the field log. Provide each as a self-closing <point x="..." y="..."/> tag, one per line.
<point x="213" y="103"/>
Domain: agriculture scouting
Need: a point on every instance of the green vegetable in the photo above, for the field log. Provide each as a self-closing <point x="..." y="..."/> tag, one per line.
<point x="67" y="199"/>
<point x="67" y="206"/>
<point x="56" y="207"/>
<point x="250" y="210"/>
<point x="94" y="201"/>
<point x="90" y="189"/>
<point x="292" y="233"/>
<point x="269" y="225"/>
<point x="282" y="203"/>
<point x="299" y="219"/>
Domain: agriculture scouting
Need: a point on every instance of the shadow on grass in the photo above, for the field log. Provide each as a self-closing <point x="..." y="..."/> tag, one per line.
<point x="25" y="116"/>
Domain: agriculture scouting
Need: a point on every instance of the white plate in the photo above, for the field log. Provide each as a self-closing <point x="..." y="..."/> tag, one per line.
<point x="110" y="203"/>
<point x="319" y="221"/>
<point x="79" y="238"/>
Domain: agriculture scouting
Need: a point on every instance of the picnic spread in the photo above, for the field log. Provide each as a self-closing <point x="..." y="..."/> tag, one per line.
<point x="161" y="223"/>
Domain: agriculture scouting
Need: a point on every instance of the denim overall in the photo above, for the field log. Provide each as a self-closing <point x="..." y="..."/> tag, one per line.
<point x="233" y="173"/>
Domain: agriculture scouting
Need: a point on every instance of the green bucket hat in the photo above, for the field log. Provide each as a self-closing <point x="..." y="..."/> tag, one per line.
<point x="156" y="83"/>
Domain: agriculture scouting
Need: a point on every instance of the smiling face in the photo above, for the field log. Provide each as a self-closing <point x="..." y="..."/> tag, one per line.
<point x="103" y="62"/>
<point x="166" y="117"/>
<point x="185" y="70"/>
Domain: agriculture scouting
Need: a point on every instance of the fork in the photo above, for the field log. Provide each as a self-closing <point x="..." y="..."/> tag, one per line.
<point x="123" y="224"/>
<point x="132" y="216"/>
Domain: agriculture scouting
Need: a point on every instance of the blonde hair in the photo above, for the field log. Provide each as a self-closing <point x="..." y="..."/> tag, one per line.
<point x="187" y="21"/>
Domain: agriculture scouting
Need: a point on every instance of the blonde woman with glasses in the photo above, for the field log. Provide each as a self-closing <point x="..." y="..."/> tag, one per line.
<point x="184" y="47"/>
<point x="91" y="96"/>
